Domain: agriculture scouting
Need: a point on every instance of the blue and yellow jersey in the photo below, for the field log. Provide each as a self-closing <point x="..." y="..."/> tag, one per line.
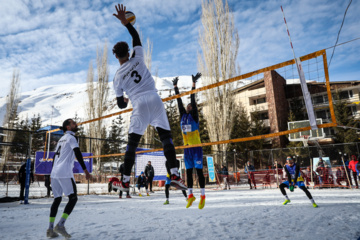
<point x="190" y="130"/>
<point x="292" y="172"/>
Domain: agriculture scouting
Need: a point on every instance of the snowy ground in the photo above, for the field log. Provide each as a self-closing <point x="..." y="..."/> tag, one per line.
<point x="235" y="214"/>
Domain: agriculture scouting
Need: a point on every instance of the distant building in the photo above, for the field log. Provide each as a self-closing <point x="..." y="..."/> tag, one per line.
<point x="272" y="96"/>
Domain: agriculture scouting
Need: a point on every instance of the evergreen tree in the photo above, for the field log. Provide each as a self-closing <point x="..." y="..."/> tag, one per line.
<point x="20" y="138"/>
<point x="116" y="136"/>
<point x="296" y="111"/>
<point x="257" y="128"/>
<point x="241" y="129"/>
<point x="81" y="134"/>
<point x="344" y="118"/>
<point x="105" y="149"/>
<point x="38" y="139"/>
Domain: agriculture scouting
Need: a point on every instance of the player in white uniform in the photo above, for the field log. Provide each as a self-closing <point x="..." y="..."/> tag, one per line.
<point x="135" y="79"/>
<point x="62" y="177"/>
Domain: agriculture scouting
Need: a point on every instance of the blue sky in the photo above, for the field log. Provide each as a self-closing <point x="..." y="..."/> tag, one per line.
<point x="52" y="42"/>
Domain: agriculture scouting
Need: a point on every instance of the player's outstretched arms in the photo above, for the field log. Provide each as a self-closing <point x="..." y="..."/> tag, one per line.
<point x="121" y="10"/>
<point x="120" y="14"/>
<point x="179" y="101"/>
<point x="175" y="81"/>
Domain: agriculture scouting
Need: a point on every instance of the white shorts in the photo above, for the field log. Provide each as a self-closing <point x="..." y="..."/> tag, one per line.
<point x="63" y="185"/>
<point x="148" y="109"/>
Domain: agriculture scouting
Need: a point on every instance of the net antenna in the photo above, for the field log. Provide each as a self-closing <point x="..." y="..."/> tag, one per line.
<point x="304" y="88"/>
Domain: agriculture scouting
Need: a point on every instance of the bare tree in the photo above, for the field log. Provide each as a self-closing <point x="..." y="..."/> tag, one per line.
<point x="219" y="42"/>
<point x="97" y="97"/>
<point x="12" y="103"/>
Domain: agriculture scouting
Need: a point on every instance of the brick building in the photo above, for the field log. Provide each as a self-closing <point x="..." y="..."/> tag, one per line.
<point x="272" y="96"/>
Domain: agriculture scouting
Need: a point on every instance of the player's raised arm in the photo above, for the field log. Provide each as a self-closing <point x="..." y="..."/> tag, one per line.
<point x="121" y="10"/>
<point x="179" y="101"/>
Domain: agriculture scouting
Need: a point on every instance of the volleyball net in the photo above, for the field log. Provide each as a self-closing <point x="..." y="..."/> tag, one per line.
<point x="271" y="83"/>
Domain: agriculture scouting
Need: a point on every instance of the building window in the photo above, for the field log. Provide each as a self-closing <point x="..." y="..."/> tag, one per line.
<point x="318" y="99"/>
<point x="329" y="132"/>
<point x="326" y="99"/>
<point x="259" y="101"/>
<point x="264" y="115"/>
<point x="352" y="110"/>
<point x="343" y="94"/>
<point x="324" y="114"/>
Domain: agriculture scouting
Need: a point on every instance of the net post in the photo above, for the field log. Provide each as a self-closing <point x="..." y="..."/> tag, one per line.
<point x="277" y="174"/>
<point x="347" y="175"/>
<point x="331" y="105"/>
<point x="46" y="136"/>
<point x="311" y="173"/>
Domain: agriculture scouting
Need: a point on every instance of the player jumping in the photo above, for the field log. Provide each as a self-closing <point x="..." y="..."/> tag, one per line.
<point x="135" y="79"/>
<point x="294" y="179"/>
<point x="193" y="157"/>
<point x="62" y="177"/>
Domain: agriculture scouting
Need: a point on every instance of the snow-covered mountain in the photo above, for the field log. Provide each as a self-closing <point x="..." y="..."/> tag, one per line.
<point x="56" y="103"/>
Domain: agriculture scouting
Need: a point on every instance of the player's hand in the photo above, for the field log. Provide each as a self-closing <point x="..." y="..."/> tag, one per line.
<point x="121" y="9"/>
<point x="196" y="77"/>
<point x="87" y="174"/>
<point x="126" y="100"/>
<point x="175" y="80"/>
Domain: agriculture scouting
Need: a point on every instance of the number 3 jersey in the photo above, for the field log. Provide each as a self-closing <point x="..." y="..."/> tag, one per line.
<point x="65" y="156"/>
<point x="133" y="77"/>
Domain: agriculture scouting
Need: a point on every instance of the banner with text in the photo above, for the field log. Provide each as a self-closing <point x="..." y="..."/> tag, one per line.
<point x="157" y="161"/>
<point x="210" y="164"/>
<point x="43" y="166"/>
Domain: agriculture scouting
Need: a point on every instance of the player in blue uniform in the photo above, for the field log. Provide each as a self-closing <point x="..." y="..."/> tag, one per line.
<point x="193" y="157"/>
<point x="294" y="179"/>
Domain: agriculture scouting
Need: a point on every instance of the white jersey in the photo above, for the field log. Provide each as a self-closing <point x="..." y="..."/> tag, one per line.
<point x="65" y="157"/>
<point x="133" y="77"/>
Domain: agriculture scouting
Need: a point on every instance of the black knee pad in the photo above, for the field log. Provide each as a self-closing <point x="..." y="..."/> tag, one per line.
<point x="133" y="142"/>
<point x="73" y="197"/>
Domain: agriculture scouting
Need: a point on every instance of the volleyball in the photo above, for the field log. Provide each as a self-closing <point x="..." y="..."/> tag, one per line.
<point x="130" y="16"/>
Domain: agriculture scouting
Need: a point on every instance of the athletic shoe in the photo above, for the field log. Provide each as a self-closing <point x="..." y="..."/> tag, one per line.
<point x="152" y="192"/>
<point x="140" y="195"/>
<point x="202" y="202"/>
<point x="120" y="196"/>
<point x="124" y="186"/>
<point x="286" y="202"/>
<point x="148" y="195"/>
<point x="191" y="199"/>
<point x="128" y="196"/>
<point x="166" y="202"/>
<point x="62" y="231"/>
<point x="177" y="182"/>
<point x="51" y="234"/>
<point x="21" y="202"/>
<point x="315" y="205"/>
